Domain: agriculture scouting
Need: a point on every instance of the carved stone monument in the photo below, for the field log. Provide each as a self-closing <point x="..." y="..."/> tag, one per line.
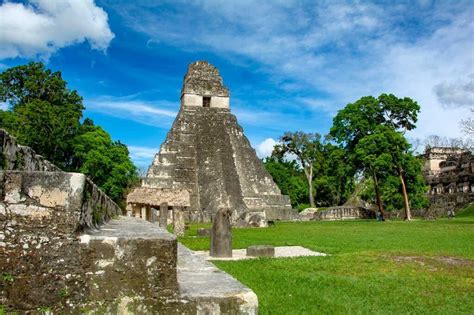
<point x="164" y="215"/>
<point x="221" y="235"/>
<point x="178" y="222"/>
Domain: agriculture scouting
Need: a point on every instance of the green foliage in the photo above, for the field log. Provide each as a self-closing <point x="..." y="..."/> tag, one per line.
<point x="7" y="278"/>
<point x="106" y="162"/>
<point x="307" y="149"/>
<point x="45" y="115"/>
<point x="369" y="131"/>
<point x="63" y="293"/>
<point x="330" y="175"/>
<point x="466" y="212"/>
<point x="290" y="179"/>
<point x="385" y="152"/>
<point x="44" y="310"/>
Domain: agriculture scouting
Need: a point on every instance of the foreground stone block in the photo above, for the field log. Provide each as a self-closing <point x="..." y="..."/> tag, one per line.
<point x="261" y="251"/>
<point x="42" y="213"/>
<point x="211" y="290"/>
<point x="130" y="258"/>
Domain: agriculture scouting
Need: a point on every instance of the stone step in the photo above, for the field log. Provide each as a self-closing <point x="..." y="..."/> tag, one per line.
<point x="125" y="242"/>
<point x="213" y="290"/>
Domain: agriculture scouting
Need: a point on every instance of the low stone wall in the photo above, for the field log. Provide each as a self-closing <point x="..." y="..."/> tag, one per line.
<point x="344" y="213"/>
<point x="440" y="204"/>
<point x="18" y="157"/>
<point x="41" y="214"/>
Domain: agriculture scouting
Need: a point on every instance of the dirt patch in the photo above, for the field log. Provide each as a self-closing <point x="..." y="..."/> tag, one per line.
<point x="433" y="260"/>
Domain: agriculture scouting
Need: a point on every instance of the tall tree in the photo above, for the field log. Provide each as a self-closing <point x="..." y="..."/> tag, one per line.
<point x="384" y="152"/>
<point x="361" y="119"/>
<point x="106" y="162"/>
<point x="46" y="114"/>
<point x="307" y="149"/>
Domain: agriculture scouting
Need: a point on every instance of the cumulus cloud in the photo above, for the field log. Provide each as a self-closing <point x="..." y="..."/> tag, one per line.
<point x="41" y="27"/>
<point x="264" y="149"/>
<point x="333" y="52"/>
<point x="456" y="94"/>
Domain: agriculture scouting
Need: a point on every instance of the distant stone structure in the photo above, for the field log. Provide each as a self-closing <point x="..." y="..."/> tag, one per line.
<point x="337" y="213"/>
<point x="207" y="154"/>
<point x="450" y="174"/>
<point x="435" y="155"/>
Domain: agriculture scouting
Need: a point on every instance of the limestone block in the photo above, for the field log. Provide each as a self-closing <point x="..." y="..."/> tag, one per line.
<point x="261" y="251"/>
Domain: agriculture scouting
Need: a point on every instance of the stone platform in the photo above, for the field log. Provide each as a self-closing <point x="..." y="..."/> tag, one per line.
<point x="215" y="291"/>
<point x="172" y="278"/>
<point x="280" y="252"/>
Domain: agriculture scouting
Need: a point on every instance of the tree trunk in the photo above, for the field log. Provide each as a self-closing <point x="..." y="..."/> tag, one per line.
<point x="405" y="197"/>
<point x="377" y="194"/>
<point x="309" y="177"/>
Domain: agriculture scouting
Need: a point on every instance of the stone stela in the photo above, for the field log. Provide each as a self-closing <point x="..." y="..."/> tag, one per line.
<point x="221" y="234"/>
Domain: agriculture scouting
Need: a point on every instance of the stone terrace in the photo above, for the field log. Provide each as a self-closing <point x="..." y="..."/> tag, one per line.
<point x="65" y="248"/>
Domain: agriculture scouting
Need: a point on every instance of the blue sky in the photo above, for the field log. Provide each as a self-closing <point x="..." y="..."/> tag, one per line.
<point x="290" y="65"/>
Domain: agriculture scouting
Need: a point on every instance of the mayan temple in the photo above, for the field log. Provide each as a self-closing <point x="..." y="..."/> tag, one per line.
<point x="206" y="162"/>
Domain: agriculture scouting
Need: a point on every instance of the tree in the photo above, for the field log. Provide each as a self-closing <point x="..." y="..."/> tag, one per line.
<point x="45" y="113"/>
<point x="361" y="119"/>
<point x="384" y="152"/>
<point x="467" y="125"/>
<point x="290" y="179"/>
<point x="307" y="149"/>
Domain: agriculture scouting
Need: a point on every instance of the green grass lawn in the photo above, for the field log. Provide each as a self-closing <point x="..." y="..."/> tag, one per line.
<point x="419" y="267"/>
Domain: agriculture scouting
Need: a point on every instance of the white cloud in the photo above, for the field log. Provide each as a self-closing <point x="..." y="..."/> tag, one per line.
<point x="41" y="27"/>
<point x="265" y="148"/>
<point x="335" y="52"/>
<point x="144" y="112"/>
<point x="142" y="156"/>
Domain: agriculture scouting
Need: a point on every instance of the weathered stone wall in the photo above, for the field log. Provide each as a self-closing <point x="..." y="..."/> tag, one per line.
<point x="42" y="214"/>
<point x="440" y="204"/>
<point x="203" y="78"/>
<point x="18" y="157"/>
<point x="452" y="185"/>
<point x="344" y="213"/>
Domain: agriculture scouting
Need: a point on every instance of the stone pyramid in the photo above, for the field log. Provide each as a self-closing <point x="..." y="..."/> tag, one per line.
<point x="207" y="154"/>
